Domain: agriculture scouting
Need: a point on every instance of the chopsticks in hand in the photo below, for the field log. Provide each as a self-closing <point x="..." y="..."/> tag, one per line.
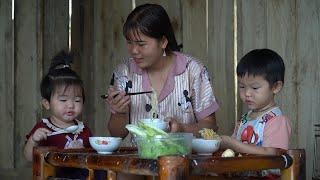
<point x="105" y="96"/>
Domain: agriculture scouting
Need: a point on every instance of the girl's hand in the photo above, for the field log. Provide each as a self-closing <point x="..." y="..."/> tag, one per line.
<point x="40" y="134"/>
<point x="118" y="101"/>
<point x="174" y="126"/>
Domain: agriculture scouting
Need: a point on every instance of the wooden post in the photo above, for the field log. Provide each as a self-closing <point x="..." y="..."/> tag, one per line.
<point x="111" y="175"/>
<point x="91" y="174"/>
<point x="40" y="168"/>
<point x="173" y="167"/>
<point x="298" y="168"/>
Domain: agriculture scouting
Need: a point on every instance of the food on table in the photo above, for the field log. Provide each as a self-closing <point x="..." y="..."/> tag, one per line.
<point x="157" y="123"/>
<point x="154" y="104"/>
<point x="208" y="134"/>
<point x="105" y="144"/>
<point x="100" y="142"/>
<point x="153" y="142"/>
<point x="228" y="153"/>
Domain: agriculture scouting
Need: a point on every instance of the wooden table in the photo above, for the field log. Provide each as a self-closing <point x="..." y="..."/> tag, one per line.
<point x="126" y="160"/>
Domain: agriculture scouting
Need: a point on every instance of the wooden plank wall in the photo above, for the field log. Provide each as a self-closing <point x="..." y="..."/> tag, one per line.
<point x="24" y="62"/>
<point x="194" y="28"/>
<point x="221" y="62"/>
<point x="109" y="50"/>
<point x="82" y="44"/>
<point x="55" y="29"/>
<point x="308" y="75"/>
<point x="206" y="30"/>
<point x="6" y="86"/>
<point x="27" y="70"/>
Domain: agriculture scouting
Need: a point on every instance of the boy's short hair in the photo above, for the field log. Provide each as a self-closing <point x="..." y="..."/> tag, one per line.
<point x="262" y="62"/>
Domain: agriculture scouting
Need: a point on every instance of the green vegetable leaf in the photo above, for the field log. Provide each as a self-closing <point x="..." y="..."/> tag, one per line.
<point x="152" y="131"/>
<point x="156" y="142"/>
<point x="136" y="130"/>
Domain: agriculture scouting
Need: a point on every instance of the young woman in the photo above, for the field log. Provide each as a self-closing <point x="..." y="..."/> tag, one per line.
<point x="184" y="92"/>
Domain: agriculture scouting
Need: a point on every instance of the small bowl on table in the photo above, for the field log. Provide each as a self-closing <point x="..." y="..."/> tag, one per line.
<point x="205" y="146"/>
<point x="156" y="123"/>
<point x="105" y="145"/>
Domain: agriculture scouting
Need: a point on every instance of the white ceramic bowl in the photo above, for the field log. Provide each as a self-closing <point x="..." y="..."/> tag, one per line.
<point x="205" y="147"/>
<point x="157" y="123"/>
<point x="105" y="145"/>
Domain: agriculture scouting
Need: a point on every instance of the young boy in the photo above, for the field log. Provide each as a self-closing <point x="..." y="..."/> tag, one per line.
<point x="264" y="129"/>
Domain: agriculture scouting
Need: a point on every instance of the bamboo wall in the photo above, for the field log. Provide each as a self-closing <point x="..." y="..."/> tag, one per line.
<point x="207" y="29"/>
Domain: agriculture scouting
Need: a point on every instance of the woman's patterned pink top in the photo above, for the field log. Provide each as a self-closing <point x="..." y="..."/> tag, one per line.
<point x="186" y="96"/>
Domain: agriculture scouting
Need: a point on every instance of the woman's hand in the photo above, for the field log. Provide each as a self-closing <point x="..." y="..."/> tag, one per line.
<point x="118" y="101"/>
<point x="174" y="125"/>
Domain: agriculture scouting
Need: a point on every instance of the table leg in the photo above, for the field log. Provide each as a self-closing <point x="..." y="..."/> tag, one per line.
<point x="90" y="175"/>
<point x="111" y="175"/>
<point x="40" y="168"/>
<point x="173" y="167"/>
<point x="297" y="169"/>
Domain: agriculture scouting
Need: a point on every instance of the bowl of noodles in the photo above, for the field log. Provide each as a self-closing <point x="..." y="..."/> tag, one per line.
<point x="155" y="121"/>
<point x="208" y="143"/>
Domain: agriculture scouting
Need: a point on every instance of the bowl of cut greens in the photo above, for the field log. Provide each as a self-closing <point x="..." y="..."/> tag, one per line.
<point x="157" y="123"/>
<point x="153" y="142"/>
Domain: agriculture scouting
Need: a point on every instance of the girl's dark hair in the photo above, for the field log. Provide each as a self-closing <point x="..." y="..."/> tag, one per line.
<point x="151" y="20"/>
<point x="263" y="62"/>
<point x="60" y="73"/>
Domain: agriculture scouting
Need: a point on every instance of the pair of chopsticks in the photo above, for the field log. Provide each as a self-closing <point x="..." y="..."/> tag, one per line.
<point x="105" y="96"/>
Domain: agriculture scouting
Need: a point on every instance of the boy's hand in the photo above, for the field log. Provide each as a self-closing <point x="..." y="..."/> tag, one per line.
<point x="40" y="134"/>
<point x="227" y="142"/>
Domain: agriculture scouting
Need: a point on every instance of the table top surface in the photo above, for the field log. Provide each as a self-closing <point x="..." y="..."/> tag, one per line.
<point x="126" y="159"/>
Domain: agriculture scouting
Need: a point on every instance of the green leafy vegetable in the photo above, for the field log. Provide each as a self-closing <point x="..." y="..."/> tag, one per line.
<point x="136" y="130"/>
<point x="153" y="142"/>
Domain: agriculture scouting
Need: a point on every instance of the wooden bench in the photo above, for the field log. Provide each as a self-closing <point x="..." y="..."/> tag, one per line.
<point x="47" y="159"/>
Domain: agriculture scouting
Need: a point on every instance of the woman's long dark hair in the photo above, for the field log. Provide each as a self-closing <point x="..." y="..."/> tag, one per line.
<point x="151" y="20"/>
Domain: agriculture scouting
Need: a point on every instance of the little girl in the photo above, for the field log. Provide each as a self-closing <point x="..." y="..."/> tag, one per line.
<point x="264" y="129"/>
<point x="63" y="95"/>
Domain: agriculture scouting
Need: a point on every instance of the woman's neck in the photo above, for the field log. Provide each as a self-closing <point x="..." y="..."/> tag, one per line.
<point x="161" y="65"/>
<point x="159" y="75"/>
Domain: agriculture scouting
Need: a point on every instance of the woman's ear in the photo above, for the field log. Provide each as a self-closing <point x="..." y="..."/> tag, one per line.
<point x="164" y="42"/>
<point x="277" y="87"/>
<point x="45" y="103"/>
